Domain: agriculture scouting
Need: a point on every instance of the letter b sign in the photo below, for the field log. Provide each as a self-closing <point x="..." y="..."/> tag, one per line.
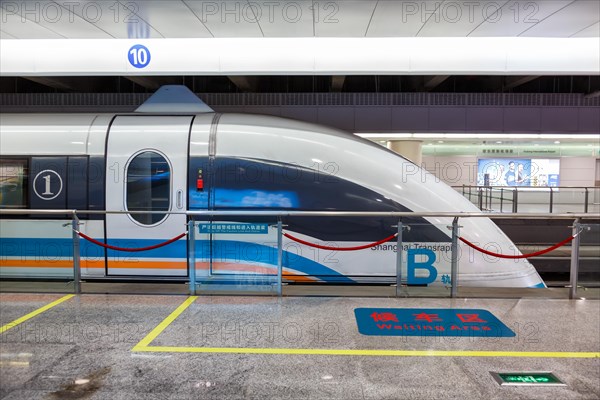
<point x="413" y="265"/>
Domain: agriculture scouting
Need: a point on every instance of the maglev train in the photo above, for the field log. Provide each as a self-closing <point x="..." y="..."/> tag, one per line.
<point x="176" y="154"/>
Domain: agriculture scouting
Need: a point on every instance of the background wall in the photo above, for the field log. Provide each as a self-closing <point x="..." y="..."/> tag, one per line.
<point x="462" y="170"/>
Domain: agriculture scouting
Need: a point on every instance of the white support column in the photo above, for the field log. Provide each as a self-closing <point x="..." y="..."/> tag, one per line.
<point x="411" y="149"/>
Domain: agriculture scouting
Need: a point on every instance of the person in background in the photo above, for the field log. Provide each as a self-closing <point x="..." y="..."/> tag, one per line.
<point x="521" y="177"/>
<point x="510" y="177"/>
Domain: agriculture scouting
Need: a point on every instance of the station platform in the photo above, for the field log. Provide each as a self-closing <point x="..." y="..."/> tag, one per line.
<point x="100" y="346"/>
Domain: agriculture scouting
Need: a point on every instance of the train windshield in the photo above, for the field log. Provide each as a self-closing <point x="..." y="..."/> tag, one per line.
<point x="148" y="187"/>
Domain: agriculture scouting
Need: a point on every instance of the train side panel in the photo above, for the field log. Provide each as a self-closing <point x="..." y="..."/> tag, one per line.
<point x="390" y="180"/>
<point x="51" y="161"/>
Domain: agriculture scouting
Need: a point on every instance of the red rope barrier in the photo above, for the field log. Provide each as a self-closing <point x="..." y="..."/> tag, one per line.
<point x="108" y="246"/>
<point x="318" y="246"/>
<point x="537" y="253"/>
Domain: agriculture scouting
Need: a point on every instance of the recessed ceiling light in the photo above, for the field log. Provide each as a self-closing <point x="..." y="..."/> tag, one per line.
<point x="499" y="142"/>
<point x="557" y="142"/>
<point x="440" y="141"/>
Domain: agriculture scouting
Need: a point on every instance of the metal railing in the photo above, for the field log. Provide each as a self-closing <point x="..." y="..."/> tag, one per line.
<point x="500" y="198"/>
<point x="577" y="228"/>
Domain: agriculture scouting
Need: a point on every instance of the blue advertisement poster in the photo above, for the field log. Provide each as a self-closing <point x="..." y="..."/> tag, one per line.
<point x="518" y="172"/>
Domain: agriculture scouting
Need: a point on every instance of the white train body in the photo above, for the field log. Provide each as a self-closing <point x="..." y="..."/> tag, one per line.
<point x="211" y="161"/>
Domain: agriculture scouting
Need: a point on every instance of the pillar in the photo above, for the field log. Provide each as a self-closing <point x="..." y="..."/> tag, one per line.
<point x="411" y="149"/>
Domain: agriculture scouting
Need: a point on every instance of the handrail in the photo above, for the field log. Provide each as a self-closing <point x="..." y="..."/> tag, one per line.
<point x="488" y="192"/>
<point x="250" y="213"/>
<point x="196" y="216"/>
<point x="523" y="187"/>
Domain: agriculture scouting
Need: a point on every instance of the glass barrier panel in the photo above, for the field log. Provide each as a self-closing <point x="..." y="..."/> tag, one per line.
<point x="339" y="256"/>
<point x="509" y="200"/>
<point x="467" y="192"/>
<point x="234" y="257"/>
<point x="426" y="259"/>
<point x="533" y="200"/>
<point x="496" y="267"/>
<point x="594" y="200"/>
<point x="588" y="284"/>
<point x="36" y="255"/>
<point x="568" y="200"/>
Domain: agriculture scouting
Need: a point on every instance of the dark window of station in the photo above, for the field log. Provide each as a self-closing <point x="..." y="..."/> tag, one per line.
<point x="13" y="183"/>
<point x="148" y="187"/>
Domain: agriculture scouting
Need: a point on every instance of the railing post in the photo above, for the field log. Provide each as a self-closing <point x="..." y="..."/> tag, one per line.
<point x="76" y="254"/>
<point x="586" y="200"/>
<point x="574" y="260"/>
<point x="192" y="255"/>
<point x="485" y="198"/>
<point x="399" y="259"/>
<point x="515" y="206"/>
<point x="551" y="200"/>
<point x="480" y="200"/>
<point x="279" y="256"/>
<point x="501" y="198"/>
<point x="454" y="259"/>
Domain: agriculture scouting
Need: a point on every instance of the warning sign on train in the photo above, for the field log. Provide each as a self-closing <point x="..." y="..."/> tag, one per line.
<point x="234" y="228"/>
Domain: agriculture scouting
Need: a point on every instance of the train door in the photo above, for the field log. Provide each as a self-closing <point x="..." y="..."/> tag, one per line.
<point x="146" y="170"/>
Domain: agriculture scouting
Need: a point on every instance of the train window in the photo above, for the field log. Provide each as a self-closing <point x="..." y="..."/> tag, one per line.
<point x="148" y="187"/>
<point x="13" y="183"/>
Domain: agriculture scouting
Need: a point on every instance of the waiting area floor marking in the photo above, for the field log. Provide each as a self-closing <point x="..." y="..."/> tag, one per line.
<point x="34" y="313"/>
<point x="164" y="324"/>
<point x="144" y="346"/>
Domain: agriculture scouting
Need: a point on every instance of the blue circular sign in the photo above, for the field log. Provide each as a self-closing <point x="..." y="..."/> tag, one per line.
<point x="139" y="56"/>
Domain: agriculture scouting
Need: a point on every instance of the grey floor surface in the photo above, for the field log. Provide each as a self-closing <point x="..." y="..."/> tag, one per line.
<point x="82" y="349"/>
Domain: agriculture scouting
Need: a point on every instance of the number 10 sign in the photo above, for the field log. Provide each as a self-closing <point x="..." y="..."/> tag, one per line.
<point x="139" y="56"/>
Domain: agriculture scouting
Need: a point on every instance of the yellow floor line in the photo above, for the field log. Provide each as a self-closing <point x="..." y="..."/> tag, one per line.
<point x="34" y="313"/>
<point x="164" y="324"/>
<point x="393" y="353"/>
<point x="144" y="346"/>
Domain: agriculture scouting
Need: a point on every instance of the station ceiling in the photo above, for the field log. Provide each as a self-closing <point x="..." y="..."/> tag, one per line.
<point x="45" y="19"/>
<point x="177" y="19"/>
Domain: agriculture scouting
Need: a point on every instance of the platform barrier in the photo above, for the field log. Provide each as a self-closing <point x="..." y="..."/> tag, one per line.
<point x="515" y="199"/>
<point x="43" y="251"/>
<point x="242" y="252"/>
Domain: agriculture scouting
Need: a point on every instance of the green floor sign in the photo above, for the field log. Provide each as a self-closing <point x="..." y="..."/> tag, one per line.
<point x="526" y="379"/>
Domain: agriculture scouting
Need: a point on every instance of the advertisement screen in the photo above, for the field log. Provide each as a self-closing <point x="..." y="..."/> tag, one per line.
<point x="518" y="172"/>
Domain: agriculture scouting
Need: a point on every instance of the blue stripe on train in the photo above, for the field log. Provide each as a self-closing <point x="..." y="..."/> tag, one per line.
<point x="57" y="248"/>
<point x="540" y="285"/>
<point x="222" y="251"/>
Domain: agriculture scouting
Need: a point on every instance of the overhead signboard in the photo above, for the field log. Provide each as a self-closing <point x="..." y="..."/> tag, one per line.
<point x="300" y="55"/>
<point x="457" y="322"/>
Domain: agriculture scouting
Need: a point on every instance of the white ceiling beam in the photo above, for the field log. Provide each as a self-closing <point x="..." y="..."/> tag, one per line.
<point x="309" y="56"/>
<point x="434" y="81"/>
<point x="245" y="83"/>
<point x="337" y="83"/>
<point x="592" y="95"/>
<point x="516" y="81"/>
<point x="53" y="83"/>
<point x="153" y="82"/>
